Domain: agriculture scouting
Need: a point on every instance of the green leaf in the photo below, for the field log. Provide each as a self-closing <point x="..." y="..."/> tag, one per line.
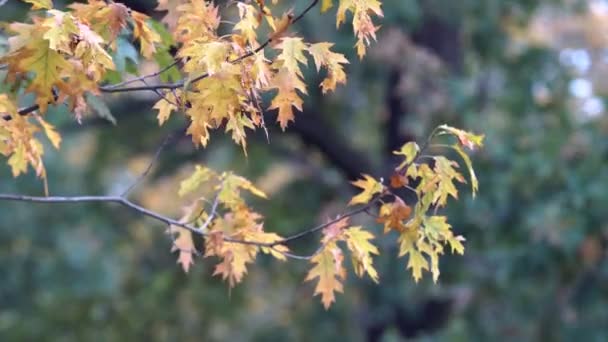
<point x="99" y="107"/>
<point x="163" y="58"/>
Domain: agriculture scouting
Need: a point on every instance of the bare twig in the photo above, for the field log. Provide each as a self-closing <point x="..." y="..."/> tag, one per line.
<point x="143" y="175"/>
<point x="144" y="77"/>
<point x="169" y="221"/>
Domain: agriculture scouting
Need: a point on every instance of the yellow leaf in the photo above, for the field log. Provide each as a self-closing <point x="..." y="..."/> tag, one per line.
<point x="167" y="105"/>
<point x="323" y="56"/>
<point x="326" y="5"/>
<point x="230" y="186"/>
<point x="393" y="215"/>
<point x="18" y="161"/>
<point x="330" y="272"/>
<point x="407" y="246"/>
<point x="184" y="245"/>
<point x="61" y="30"/>
<point x="201" y="174"/>
<point x="409" y="151"/>
<point x="361" y="248"/>
<point x="40" y="4"/>
<point x="287" y="97"/>
<point x="249" y="22"/>
<point x="446" y="173"/>
<point x="370" y="187"/>
<point x="146" y="35"/>
<point x="466" y="139"/>
<point x="292" y="54"/>
<point x="50" y="132"/>
<point x="469" y="164"/>
<point x="47" y="64"/>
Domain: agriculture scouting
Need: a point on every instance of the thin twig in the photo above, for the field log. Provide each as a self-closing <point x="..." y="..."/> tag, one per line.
<point x="326" y="224"/>
<point x="144" y="77"/>
<point x="143" y="175"/>
<point x="169" y="221"/>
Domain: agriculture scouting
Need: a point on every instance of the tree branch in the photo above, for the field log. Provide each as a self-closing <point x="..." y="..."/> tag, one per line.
<point x="169" y="221"/>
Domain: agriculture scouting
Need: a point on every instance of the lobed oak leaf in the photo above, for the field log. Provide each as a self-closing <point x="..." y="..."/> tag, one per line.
<point x="394" y="214"/>
<point x="370" y="188"/>
<point x="248" y="23"/>
<point x="196" y="20"/>
<point x="334" y="231"/>
<point x="229" y="189"/>
<point x="324" y="57"/>
<point x="50" y="132"/>
<point x="146" y="35"/>
<point x="200" y="175"/>
<point x="410" y="151"/>
<point x="292" y="54"/>
<point x="287" y="97"/>
<point x="357" y="241"/>
<point x="407" y="246"/>
<point x="18" y="160"/>
<point x="329" y="271"/>
<point x="446" y="173"/>
<point x="166" y="105"/>
<point x="61" y="30"/>
<point x="184" y="244"/>
<point x="47" y="64"/>
<point x="107" y="19"/>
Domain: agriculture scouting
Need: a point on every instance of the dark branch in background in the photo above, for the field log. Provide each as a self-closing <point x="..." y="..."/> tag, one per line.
<point x="312" y="130"/>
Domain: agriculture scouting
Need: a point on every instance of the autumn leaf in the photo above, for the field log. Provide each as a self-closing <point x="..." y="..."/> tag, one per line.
<point x="469" y="165"/>
<point x="394" y="214"/>
<point x="230" y="186"/>
<point x="357" y="241"/>
<point x="248" y="23"/>
<point x="199" y="176"/>
<point x="47" y="64"/>
<point x="50" y="132"/>
<point x="326" y="5"/>
<point x="446" y="173"/>
<point x="287" y="97"/>
<point x="407" y="246"/>
<point x="329" y="271"/>
<point x="370" y="188"/>
<point x="410" y="151"/>
<point x="146" y="35"/>
<point x="466" y="139"/>
<point x="324" y="57"/>
<point x="40" y="4"/>
<point x="166" y="105"/>
<point x="184" y="245"/>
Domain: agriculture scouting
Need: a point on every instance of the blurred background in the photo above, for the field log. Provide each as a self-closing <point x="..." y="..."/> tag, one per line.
<point x="530" y="74"/>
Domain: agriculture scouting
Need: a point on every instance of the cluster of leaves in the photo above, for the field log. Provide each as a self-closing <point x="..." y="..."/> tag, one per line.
<point x="229" y="218"/>
<point x="237" y="236"/>
<point x="70" y="57"/>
